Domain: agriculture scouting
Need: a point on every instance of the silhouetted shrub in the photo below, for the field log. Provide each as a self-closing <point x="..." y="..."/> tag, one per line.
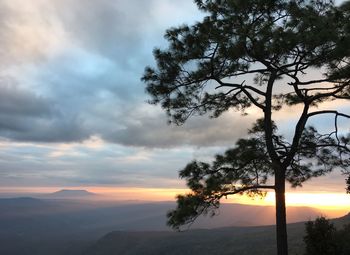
<point x="322" y="238"/>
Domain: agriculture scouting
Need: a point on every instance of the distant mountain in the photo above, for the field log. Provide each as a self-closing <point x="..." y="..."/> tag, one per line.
<point x="339" y="222"/>
<point x="70" y="194"/>
<point x="21" y="206"/>
<point x="221" y="241"/>
<point x="21" y="201"/>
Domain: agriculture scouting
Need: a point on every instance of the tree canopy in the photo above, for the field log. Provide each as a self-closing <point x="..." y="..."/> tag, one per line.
<point x="262" y="54"/>
<point x="269" y="39"/>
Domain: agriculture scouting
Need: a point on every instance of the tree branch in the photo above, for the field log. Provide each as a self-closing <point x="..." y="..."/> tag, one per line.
<point x="297" y="135"/>
<point x="243" y="89"/>
<point x="268" y="125"/>
<point x="328" y="112"/>
<point x="246" y="189"/>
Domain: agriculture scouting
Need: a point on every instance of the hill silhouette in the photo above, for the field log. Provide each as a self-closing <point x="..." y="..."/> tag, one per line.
<point x="222" y="241"/>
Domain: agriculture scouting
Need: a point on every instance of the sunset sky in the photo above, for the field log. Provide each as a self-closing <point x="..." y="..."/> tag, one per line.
<point x="73" y="111"/>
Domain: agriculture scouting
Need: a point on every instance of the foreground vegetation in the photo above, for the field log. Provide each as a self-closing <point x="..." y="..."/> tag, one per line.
<point x="323" y="238"/>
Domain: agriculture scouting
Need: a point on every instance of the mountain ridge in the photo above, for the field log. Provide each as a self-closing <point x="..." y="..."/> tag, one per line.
<point x="259" y="240"/>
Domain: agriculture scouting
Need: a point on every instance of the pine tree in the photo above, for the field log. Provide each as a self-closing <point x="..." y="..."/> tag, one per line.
<point x="206" y="71"/>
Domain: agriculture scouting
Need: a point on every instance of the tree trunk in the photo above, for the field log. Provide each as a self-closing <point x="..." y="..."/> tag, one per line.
<point x="281" y="222"/>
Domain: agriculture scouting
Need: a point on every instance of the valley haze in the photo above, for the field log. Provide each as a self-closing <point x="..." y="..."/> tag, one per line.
<point x="75" y="222"/>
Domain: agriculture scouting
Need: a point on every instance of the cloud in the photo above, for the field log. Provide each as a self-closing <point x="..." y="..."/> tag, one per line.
<point x="146" y="129"/>
<point x="78" y="74"/>
<point x="31" y="164"/>
<point x="112" y="29"/>
<point x="85" y="164"/>
<point x="26" y="35"/>
<point x="30" y="117"/>
<point x="118" y="29"/>
<point x="15" y="101"/>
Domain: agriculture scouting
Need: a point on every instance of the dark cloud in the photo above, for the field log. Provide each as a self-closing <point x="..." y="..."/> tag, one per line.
<point x="150" y="130"/>
<point x="15" y="101"/>
<point x="55" y="130"/>
<point x="28" y="117"/>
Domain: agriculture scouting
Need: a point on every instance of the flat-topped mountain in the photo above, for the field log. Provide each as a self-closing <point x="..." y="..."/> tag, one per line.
<point x="70" y="193"/>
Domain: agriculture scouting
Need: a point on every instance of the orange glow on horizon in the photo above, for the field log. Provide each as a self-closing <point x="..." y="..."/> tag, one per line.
<point x="329" y="201"/>
<point x="317" y="200"/>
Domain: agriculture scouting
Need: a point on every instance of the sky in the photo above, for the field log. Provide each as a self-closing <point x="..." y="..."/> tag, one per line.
<point x="74" y="113"/>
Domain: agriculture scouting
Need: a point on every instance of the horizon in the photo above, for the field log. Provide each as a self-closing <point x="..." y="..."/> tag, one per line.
<point x="334" y="204"/>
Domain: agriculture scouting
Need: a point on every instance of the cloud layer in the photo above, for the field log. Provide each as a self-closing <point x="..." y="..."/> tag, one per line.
<point x="78" y="74"/>
<point x="72" y="108"/>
